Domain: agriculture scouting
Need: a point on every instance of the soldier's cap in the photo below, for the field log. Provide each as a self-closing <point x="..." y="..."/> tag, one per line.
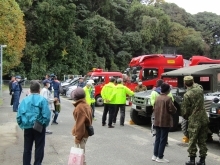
<point x="18" y="77"/>
<point x="188" y="78"/>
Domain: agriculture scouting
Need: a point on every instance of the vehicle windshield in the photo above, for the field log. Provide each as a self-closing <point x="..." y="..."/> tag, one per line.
<point x="97" y="79"/>
<point x="133" y="73"/>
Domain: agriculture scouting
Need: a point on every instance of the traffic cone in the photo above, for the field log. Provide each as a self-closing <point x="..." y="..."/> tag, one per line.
<point x="185" y="139"/>
<point x="131" y="122"/>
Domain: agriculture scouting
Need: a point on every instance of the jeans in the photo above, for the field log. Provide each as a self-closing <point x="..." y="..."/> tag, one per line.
<point x="57" y="94"/>
<point x="55" y="116"/>
<point x="30" y="136"/>
<point x="122" y="113"/>
<point x="160" y="141"/>
<point x="93" y="109"/>
<point x="16" y="98"/>
<point x="108" y="108"/>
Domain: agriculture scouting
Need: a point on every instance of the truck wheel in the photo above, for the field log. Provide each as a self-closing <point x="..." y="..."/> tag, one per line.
<point x="138" y="119"/>
<point x="184" y="126"/>
<point x="99" y="101"/>
<point x="175" y="122"/>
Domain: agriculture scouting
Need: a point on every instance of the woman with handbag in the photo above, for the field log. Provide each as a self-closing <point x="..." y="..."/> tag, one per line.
<point x="83" y="119"/>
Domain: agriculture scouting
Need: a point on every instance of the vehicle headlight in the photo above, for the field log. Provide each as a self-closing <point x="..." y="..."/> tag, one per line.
<point x="213" y="110"/>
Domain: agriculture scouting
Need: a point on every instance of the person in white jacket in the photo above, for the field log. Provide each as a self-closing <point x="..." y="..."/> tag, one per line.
<point x="47" y="94"/>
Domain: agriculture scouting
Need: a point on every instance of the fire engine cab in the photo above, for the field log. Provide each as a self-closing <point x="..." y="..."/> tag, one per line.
<point x="101" y="78"/>
<point x="149" y="68"/>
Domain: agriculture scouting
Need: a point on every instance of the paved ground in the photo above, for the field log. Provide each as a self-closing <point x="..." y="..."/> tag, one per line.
<point x="128" y="145"/>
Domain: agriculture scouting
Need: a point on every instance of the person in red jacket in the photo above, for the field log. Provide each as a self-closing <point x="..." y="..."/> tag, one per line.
<point x="83" y="117"/>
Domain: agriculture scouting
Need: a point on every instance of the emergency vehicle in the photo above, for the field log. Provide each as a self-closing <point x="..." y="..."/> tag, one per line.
<point x="201" y="60"/>
<point x="149" y="68"/>
<point x="101" y="78"/>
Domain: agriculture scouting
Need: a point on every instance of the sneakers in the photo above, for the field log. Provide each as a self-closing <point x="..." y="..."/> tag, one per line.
<point x="154" y="158"/>
<point x="162" y="160"/>
<point x="54" y="122"/>
<point x="49" y="132"/>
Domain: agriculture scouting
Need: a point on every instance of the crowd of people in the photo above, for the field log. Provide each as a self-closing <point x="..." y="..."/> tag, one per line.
<point x="40" y="109"/>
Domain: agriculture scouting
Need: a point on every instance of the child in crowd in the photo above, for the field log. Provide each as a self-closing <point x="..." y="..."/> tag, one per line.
<point x="57" y="110"/>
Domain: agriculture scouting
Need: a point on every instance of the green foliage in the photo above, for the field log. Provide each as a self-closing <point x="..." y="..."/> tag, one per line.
<point x="12" y="34"/>
<point x="74" y="36"/>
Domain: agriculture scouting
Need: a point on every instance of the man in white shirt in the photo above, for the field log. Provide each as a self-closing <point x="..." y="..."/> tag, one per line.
<point x="47" y="94"/>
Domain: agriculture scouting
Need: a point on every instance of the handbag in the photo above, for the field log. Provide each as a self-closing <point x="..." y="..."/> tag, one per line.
<point x="38" y="126"/>
<point x="90" y="130"/>
<point x="76" y="156"/>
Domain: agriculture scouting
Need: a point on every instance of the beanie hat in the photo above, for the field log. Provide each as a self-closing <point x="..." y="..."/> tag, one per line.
<point x="159" y="83"/>
<point x="78" y="93"/>
<point x="165" y="88"/>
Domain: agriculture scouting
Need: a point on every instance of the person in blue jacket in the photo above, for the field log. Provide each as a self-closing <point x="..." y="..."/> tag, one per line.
<point x="16" y="92"/>
<point x="56" y="88"/>
<point x="33" y="108"/>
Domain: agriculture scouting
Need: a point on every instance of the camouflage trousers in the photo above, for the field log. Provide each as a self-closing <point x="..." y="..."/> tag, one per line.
<point x="197" y="136"/>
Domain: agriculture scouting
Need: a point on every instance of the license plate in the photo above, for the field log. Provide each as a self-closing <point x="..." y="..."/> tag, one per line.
<point x="133" y="106"/>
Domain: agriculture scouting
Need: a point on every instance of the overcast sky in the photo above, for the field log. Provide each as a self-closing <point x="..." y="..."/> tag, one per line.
<point x="195" y="6"/>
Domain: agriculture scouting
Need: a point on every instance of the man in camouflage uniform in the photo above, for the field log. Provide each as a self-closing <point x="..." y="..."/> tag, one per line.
<point x="193" y="110"/>
<point x="140" y="87"/>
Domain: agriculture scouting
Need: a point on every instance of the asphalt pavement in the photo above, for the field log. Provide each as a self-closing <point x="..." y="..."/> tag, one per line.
<point x="128" y="145"/>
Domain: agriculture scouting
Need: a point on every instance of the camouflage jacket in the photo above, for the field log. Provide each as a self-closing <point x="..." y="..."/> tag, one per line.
<point x="140" y="88"/>
<point x="192" y="107"/>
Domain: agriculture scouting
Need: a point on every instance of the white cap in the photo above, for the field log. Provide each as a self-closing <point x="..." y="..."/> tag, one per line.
<point x="90" y="82"/>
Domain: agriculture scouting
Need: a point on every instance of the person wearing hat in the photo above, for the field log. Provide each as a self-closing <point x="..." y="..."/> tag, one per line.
<point x="193" y="110"/>
<point x="90" y="92"/>
<point x="154" y="94"/>
<point x="83" y="117"/>
<point x="140" y="87"/>
<point x="16" y="92"/>
<point x="120" y="101"/>
<point x="47" y="95"/>
<point x="108" y="94"/>
<point x="163" y="110"/>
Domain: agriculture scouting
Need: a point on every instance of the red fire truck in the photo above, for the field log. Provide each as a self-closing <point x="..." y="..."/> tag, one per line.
<point x="101" y="78"/>
<point x="149" y="68"/>
<point x="201" y="60"/>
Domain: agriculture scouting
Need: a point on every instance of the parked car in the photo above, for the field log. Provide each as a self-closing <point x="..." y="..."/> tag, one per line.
<point x="66" y="85"/>
<point x="71" y="89"/>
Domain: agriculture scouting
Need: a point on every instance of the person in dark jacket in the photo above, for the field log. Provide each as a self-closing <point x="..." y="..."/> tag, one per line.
<point x="10" y="88"/>
<point x="16" y="92"/>
<point x="81" y="83"/>
<point x="56" y="88"/>
<point x="163" y="110"/>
